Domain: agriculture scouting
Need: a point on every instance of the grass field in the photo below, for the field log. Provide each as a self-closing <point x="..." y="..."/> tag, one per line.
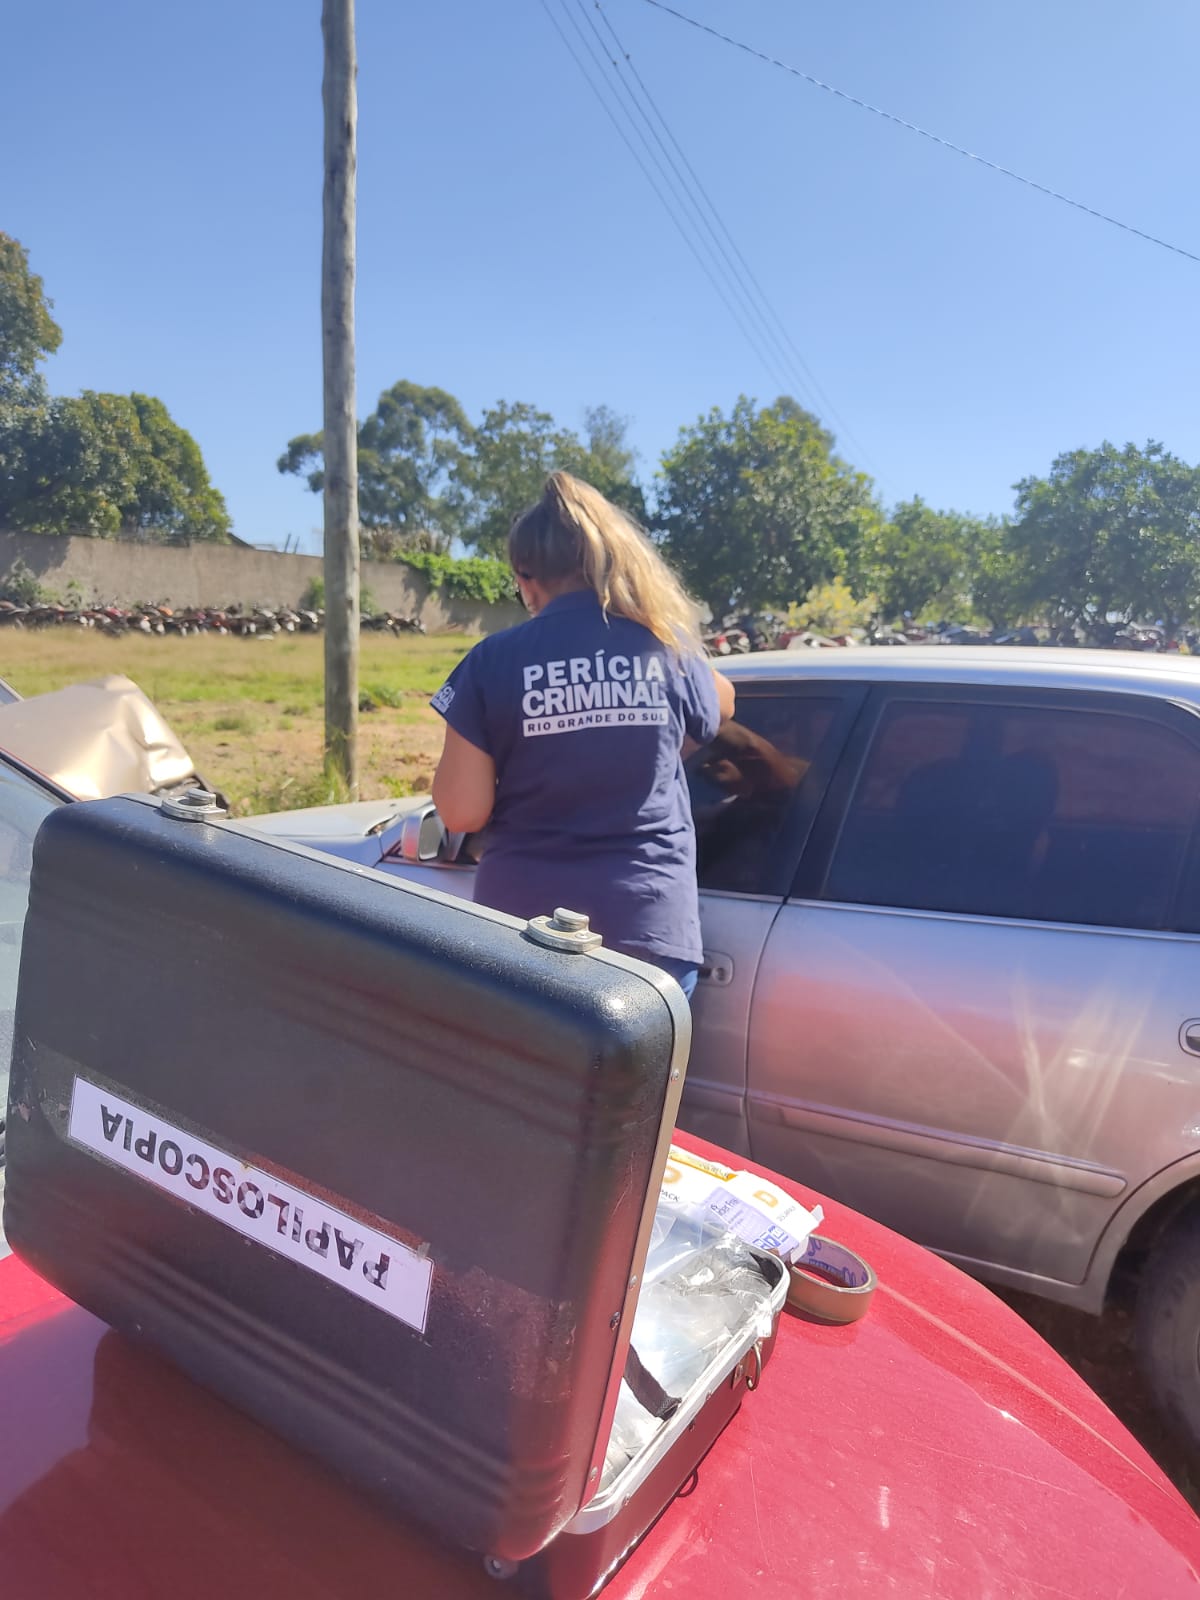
<point x="251" y="711"/>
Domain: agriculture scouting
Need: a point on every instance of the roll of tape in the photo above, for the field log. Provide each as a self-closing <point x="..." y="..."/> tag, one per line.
<point x="831" y="1282"/>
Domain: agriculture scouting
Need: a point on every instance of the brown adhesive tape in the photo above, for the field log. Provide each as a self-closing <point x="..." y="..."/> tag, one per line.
<point x="831" y="1282"/>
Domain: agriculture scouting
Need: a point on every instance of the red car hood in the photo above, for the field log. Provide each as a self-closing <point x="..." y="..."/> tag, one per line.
<point x="936" y="1449"/>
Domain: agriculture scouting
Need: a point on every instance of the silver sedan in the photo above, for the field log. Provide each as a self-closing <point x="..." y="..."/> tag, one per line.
<point x="951" y="905"/>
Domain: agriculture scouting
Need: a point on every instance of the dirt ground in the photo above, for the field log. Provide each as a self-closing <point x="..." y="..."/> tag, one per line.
<point x="251" y="711"/>
<point x="279" y="768"/>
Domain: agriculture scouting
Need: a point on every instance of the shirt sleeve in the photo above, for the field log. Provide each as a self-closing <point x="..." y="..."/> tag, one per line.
<point x="460" y="701"/>
<point x="701" y="709"/>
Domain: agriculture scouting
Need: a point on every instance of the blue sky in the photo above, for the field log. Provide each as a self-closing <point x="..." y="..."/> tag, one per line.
<point x="163" y="167"/>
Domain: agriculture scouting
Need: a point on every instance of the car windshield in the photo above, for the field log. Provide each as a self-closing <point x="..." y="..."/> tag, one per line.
<point x="23" y="804"/>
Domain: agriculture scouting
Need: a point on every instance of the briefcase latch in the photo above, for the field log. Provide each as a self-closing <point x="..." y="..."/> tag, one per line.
<point x="565" y="930"/>
<point x="195" y="805"/>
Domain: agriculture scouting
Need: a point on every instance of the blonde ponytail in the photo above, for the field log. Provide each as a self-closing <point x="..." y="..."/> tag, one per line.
<point x="574" y="531"/>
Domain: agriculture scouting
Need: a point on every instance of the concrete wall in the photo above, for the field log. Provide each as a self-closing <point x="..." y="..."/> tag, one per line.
<point x="116" y="572"/>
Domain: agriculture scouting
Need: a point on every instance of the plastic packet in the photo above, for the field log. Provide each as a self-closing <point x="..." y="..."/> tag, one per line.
<point x="755" y="1209"/>
<point x="680" y="1233"/>
<point x="633" y="1427"/>
<point x="691" y="1312"/>
<point x="701" y="1291"/>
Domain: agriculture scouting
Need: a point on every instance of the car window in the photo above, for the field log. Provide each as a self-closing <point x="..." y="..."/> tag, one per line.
<point x="22" y="806"/>
<point x="743" y="782"/>
<point x="1052" y="814"/>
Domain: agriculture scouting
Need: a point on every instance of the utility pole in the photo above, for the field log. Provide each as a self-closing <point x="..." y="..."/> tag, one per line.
<point x="340" y="102"/>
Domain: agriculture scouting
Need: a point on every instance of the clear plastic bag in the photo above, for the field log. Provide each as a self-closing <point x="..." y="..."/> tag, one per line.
<point x="701" y="1290"/>
<point x="633" y="1427"/>
<point x="699" y="1305"/>
<point x="680" y="1233"/>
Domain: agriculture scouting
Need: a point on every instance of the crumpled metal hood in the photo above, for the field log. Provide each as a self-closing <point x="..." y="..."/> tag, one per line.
<point x="96" y="739"/>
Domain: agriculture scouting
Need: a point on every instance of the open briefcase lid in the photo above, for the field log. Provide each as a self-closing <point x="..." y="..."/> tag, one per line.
<point x="372" y="1163"/>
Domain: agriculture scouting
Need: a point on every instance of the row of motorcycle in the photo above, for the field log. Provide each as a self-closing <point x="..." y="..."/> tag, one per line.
<point x="256" y="621"/>
<point x="771" y="634"/>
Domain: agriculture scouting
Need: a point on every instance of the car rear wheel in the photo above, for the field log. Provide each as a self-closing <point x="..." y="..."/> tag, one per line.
<point x="1167" y="1327"/>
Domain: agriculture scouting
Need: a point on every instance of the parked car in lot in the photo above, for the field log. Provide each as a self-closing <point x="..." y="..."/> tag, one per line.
<point x="937" y="1448"/>
<point x="951" y="902"/>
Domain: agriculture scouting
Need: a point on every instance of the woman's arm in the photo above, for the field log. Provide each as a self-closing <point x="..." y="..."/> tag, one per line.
<point x="725" y="705"/>
<point x="464" y="785"/>
<point x="725" y="695"/>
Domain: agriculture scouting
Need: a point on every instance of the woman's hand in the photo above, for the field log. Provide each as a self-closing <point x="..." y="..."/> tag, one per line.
<point x="464" y="785"/>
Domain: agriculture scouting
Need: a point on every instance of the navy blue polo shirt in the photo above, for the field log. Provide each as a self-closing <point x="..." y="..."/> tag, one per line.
<point x="584" y="715"/>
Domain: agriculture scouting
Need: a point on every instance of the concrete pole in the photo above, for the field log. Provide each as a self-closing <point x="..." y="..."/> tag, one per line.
<point x="341" y="426"/>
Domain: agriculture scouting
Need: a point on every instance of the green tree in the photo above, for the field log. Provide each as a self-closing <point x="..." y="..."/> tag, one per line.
<point x="832" y="609"/>
<point x="605" y="459"/>
<point x="28" y="333"/>
<point x="408" y="451"/>
<point x="427" y="477"/>
<point x="754" y="508"/>
<point x="513" y="450"/>
<point x="1000" y="583"/>
<point x="918" y="561"/>
<point x="1111" y="536"/>
<point x="99" y="463"/>
<point x="106" y="464"/>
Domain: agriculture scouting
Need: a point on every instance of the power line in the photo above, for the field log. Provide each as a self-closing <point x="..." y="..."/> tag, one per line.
<point x="650" y="178"/>
<point x="770" y="316"/>
<point x="680" y="187"/>
<point x="935" y="138"/>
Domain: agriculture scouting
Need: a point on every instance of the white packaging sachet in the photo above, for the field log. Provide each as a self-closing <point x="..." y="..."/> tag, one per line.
<point x="758" y="1211"/>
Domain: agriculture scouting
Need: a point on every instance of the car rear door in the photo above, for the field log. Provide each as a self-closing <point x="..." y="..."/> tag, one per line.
<point x="756" y="790"/>
<point x="968" y="1017"/>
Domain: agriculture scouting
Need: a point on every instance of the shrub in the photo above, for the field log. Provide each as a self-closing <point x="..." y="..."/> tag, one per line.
<point x="474" y="578"/>
<point x="21" y="586"/>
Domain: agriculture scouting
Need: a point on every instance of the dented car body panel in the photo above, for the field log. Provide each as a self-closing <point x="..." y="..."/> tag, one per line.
<point x="95" y="739"/>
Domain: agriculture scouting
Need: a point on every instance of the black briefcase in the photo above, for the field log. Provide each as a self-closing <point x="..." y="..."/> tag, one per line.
<point x="375" y="1165"/>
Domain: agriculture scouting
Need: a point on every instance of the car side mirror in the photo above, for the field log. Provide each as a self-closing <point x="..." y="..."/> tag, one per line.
<point x="422" y="836"/>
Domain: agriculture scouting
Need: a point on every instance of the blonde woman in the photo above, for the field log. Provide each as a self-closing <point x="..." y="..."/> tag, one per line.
<point x="566" y="733"/>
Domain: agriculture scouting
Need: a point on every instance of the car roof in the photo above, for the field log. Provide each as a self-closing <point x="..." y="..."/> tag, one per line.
<point x="1115" y="671"/>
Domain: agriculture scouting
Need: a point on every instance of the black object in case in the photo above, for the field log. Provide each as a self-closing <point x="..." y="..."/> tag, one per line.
<point x="375" y="1165"/>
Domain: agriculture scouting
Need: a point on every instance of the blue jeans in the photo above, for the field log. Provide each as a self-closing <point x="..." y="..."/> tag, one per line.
<point x="685" y="973"/>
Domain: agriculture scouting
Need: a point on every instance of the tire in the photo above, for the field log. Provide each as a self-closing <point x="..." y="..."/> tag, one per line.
<point x="1167" y="1325"/>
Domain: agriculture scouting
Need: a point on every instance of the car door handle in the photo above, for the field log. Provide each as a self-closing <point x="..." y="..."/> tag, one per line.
<point x="1189" y="1036"/>
<point x="717" y="969"/>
